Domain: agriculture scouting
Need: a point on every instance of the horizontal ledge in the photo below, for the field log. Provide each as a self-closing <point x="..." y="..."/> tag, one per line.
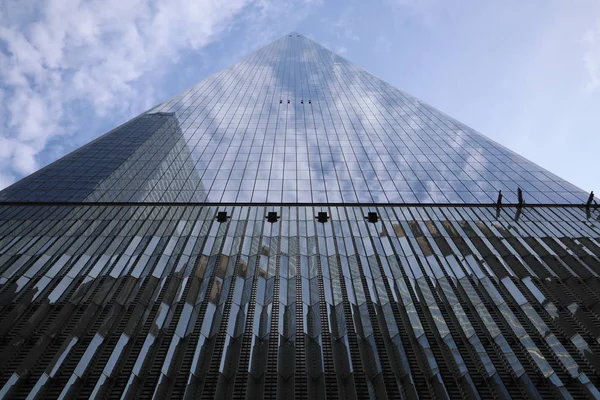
<point x="284" y="204"/>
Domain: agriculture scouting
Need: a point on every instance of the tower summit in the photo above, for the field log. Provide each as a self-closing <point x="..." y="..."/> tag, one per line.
<point x="294" y="227"/>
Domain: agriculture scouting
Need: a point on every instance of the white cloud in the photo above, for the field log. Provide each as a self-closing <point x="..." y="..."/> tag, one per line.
<point x="345" y="24"/>
<point x="383" y="44"/>
<point x="6" y="179"/>
<point x="342" y="50"/>
<point x="591" y="57"/>
<point x="58" y="57"/>
<point x="429" y="11"/>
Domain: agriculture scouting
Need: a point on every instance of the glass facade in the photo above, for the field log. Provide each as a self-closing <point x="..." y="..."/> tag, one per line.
<point x="293" y="227"/>
<point x="294" y="123"/>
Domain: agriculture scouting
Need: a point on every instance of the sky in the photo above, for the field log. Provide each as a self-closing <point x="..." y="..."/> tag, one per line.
<point x="524" y="73"/>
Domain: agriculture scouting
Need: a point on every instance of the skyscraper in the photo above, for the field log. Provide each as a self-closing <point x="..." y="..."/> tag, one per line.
<point x="294" y="227"/>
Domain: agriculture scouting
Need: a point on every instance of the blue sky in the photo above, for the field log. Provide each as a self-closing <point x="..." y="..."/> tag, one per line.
<point x="526" y="74"/>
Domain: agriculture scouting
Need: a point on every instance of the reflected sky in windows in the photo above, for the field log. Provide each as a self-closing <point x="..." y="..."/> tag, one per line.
<point x="293" y="122"/>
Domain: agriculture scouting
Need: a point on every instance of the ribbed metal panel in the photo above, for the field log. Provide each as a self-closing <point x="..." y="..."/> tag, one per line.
<point x="164" y="301"/>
